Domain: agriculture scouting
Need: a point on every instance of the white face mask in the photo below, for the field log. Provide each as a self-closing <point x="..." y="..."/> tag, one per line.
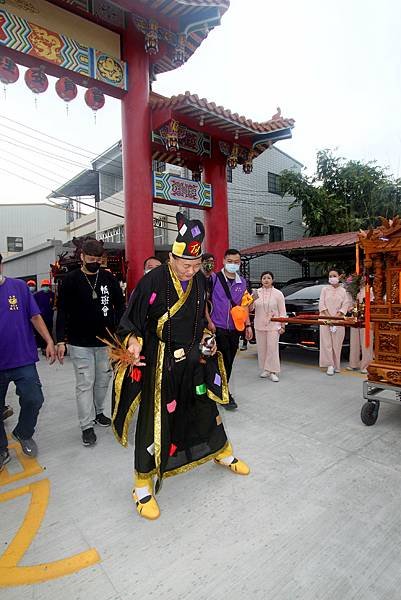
<point x="231" y="268"/>
<point x="333" y="280"/>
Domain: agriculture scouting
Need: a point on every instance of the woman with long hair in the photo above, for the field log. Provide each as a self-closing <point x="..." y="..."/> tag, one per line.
<point x="269" y="302"/>
<point x="333" y="302"/>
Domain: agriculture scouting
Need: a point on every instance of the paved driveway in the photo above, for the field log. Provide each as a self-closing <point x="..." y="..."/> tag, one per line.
<point x="318" y="518"/>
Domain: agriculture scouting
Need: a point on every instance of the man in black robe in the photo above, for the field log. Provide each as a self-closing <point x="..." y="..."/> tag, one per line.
<point x="175" y="388"/>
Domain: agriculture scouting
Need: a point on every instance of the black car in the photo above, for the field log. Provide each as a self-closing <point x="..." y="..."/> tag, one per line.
<point x="304" y="302"/>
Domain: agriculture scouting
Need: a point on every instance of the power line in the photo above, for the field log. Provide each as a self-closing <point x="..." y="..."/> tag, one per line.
<point x="29" y="169"/>
<point x="18" y="176"/>
<point x="117" y="196"/>
<point x="111" y="161"/>
<point x="41" y="152"/>
<point x="47" y="135"/>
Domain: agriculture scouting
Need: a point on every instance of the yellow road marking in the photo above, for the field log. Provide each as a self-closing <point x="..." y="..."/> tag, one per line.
<point x="10" y="573"/>
<point x="30" y="466"/>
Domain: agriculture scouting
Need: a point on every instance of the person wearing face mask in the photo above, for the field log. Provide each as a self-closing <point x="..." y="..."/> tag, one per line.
<point x="90" y="303"/>
<point x="150" y="263"/>
<point x="228" y="288"/>
<point x="333" y="303"/>
<point x="31" y="285"/>
<point x="45" y="300"/>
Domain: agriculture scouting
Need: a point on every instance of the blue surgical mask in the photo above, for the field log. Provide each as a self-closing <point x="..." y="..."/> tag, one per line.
<point x="45" y="288"/>
<point x="231" y="268"/>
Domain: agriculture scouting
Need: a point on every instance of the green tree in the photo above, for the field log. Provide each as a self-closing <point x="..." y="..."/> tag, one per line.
<point x="342" y="195"/>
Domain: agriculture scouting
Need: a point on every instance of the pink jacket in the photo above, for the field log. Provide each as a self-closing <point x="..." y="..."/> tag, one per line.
<point x="270" y="303"/>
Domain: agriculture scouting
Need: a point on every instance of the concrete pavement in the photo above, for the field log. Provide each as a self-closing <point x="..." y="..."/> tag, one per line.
<point x="317" y="519"/>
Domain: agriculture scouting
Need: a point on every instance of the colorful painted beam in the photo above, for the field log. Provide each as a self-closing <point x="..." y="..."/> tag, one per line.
<point x="171" y="189"/>
<point x="38" y="42"/>
<point x="189" y="140"/>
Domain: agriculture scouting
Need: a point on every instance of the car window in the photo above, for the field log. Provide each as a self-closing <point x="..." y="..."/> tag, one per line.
<point x="308" y="293"/>
<point x="291" y="288"/>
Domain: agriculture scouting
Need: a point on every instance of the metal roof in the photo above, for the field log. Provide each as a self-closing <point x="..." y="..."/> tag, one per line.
<point x="319" y="248"/>
<point x="86" y="183"/>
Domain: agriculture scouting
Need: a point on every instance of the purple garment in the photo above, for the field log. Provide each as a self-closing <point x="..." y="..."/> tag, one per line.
<point x="220" y="314"/>
<point x="45" y="302"/>
<point x="184" y="285"/>
<point x="17" y="339"/>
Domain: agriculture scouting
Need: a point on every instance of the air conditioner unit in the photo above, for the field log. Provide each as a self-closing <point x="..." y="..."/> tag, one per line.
<point x="262" y="229"/>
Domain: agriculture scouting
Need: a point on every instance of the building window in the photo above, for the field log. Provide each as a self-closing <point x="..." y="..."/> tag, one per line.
<point x="15" y="244"/>
<point x="229" y="175"/>
<point x="114" y="234"/>
<point x="160" y="232"/>
<point x="276" y="234"/>
<point x="261" y="229"/>
<point x="273" y="183"/>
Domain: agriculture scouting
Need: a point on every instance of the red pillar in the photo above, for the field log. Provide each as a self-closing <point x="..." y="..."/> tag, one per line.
<point x="216" y="221"/>
<point x="137" y="157"/>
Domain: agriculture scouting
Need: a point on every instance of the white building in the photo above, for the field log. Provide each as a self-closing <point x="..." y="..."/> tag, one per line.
<point x="257" y="212"/>
<point x="23" y="226"/>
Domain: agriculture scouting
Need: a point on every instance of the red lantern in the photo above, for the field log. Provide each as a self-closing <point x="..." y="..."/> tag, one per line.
<point x="9" y="71"/>
<point x="66" y="89"/>
<point x="94" y="98"/>
<point x="36" y="80"/>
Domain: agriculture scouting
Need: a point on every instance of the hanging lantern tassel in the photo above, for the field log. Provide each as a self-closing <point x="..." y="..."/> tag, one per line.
<point x="367" y="313"/>
<point x="66" y="90"/>
<point x="95" y="99"/>
<point x="357" y="263"/>
<point x="36" y="80"/>
<point x="9" y="72"/>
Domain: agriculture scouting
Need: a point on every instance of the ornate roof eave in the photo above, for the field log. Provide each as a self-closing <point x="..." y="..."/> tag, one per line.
<point x="384" y="238"/>
<point x="209" y="115"/>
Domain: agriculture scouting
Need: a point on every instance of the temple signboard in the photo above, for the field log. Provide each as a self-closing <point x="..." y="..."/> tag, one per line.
<point x="171" y="189"/>
<point x="192" y="141"/>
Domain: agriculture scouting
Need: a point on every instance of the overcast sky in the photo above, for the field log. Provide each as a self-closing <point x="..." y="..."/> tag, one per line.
<point x="335" y="67"/>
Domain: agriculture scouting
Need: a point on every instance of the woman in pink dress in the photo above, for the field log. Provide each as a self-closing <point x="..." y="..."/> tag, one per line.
<point x="359" y="355"/>
<point x="334" y="302"/>
<point x="268" y="303"/>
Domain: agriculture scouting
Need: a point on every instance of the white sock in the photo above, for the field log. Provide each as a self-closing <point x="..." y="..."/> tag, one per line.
<point x="227" y="460"/>
<point x="142" y="492"/>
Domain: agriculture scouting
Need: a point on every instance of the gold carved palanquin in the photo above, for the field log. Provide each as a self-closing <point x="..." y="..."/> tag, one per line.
<point x="382" y="259"/>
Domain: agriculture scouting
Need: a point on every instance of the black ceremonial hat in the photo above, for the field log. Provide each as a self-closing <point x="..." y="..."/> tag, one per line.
<point x="188" y="243"/>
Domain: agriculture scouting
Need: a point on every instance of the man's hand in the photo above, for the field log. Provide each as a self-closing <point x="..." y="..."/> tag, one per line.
<point x="60" y="351"/>
<point x="248" y="333"/>
<point x="135" y="347"/>
<point x="213" y="348"/>
<point x="211" y="326"/>
<point x="51" y="352"/>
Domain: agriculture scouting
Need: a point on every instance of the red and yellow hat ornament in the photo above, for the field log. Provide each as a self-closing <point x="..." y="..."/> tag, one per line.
<point x="189" y="240"/>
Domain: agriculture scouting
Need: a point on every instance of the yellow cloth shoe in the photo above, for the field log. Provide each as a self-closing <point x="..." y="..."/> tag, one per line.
<point x="147" y="507"/>
<point x="236" y="466"/>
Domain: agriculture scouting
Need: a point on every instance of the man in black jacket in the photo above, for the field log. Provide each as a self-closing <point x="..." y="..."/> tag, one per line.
<point x="90" y="302"/>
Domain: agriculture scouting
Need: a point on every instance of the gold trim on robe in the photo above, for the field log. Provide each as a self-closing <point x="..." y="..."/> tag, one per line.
<point x="196" y="463"/>
<point x="182" y="298"/>
<point x="128" y="419"/>
<point x="157" y="407"/>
